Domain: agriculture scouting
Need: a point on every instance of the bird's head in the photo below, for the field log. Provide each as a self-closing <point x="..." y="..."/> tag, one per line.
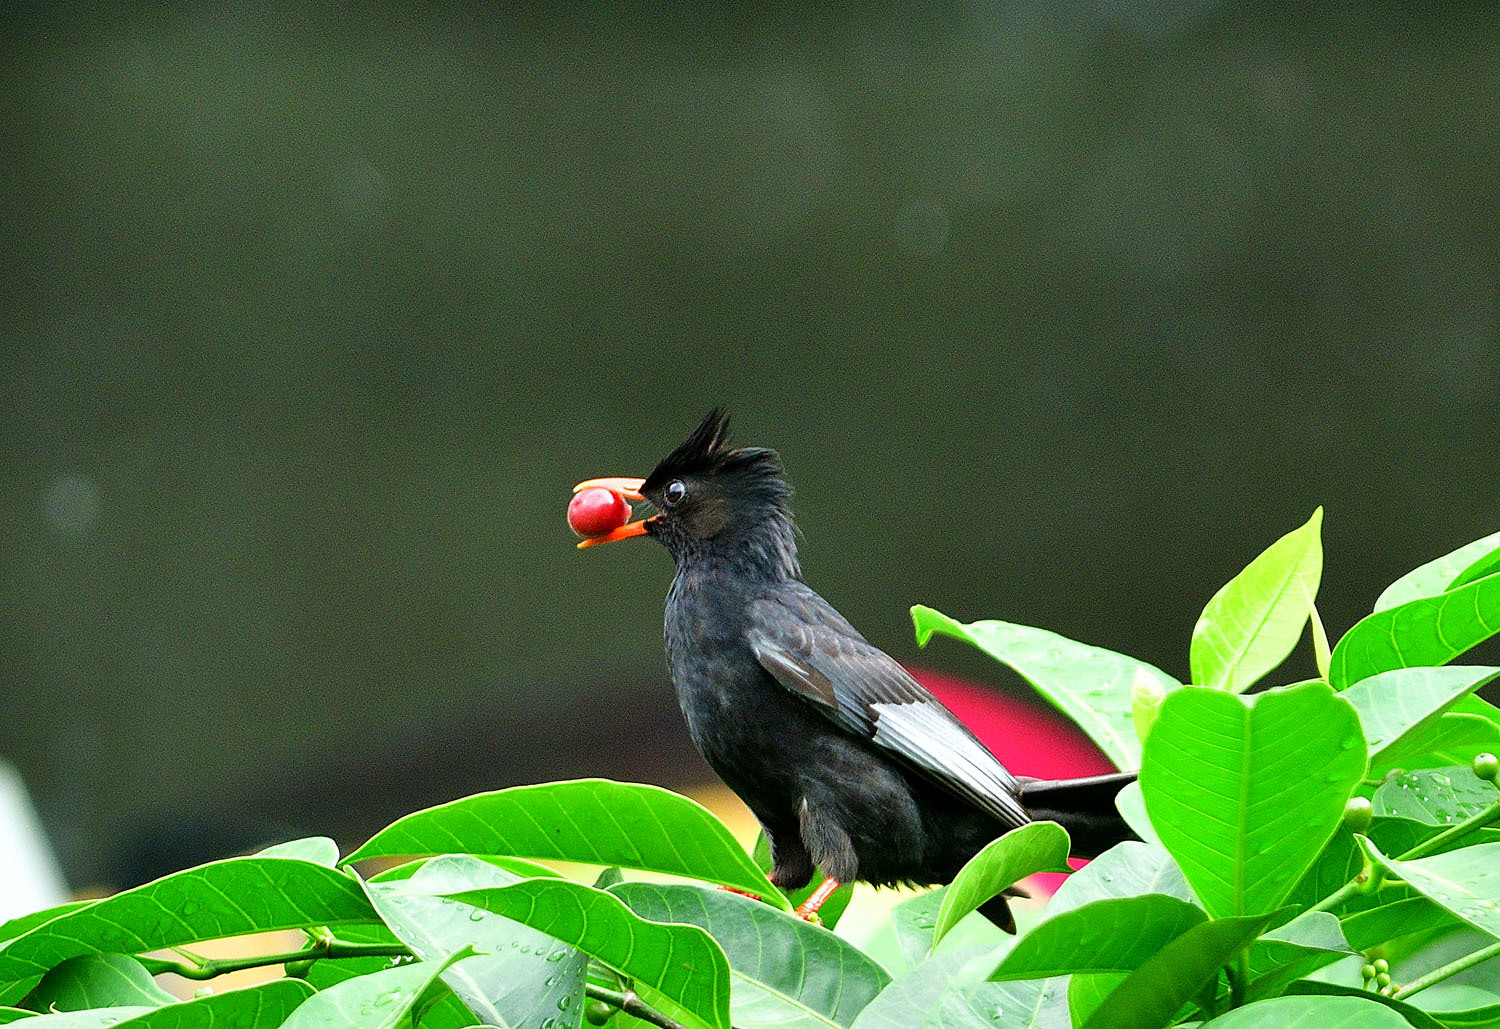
<point x="713" y="500"/>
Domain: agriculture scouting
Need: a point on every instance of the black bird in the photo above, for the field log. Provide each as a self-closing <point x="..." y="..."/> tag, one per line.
<point x="848" y="762"/>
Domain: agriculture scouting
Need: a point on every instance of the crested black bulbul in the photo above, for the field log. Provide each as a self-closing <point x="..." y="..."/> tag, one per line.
<point x="847" y="761"/>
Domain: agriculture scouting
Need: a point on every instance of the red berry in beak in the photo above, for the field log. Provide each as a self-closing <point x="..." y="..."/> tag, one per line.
<point x="597" y="512"/>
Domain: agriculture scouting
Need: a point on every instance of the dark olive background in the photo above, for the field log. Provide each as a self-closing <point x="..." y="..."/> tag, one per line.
<point x="312" y="314"/>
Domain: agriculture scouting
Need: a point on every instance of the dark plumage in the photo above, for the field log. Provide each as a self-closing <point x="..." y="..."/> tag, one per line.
<point x="848" y="762"/>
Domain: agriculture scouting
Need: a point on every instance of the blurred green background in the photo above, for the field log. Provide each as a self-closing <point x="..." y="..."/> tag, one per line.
<point x="313" y="312"/>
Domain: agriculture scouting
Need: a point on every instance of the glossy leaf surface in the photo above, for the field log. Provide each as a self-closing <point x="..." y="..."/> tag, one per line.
<point x="1114" y="935"/>
<point x="1245" y="791"/>
<point x="596" y="821"/>
<point x="1254" y="621"/>
<point x="1090" y="685"/>
<point x="1436" y="576"/>
<point x="1425" y="631"/>
<point x="1037" y="847"/>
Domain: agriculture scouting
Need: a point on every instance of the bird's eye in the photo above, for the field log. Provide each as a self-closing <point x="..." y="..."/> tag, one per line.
<point x="675" y="492"/>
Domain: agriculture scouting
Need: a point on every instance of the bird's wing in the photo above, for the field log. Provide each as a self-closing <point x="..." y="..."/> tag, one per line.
<point x="810" y="649"/>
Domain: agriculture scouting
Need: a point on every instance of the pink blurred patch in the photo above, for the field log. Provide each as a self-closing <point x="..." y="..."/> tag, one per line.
<point x="1028" y="738"/>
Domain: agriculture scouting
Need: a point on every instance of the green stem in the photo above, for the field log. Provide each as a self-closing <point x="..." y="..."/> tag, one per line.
<point x="220" y="966"/>
<point x="1353" y="888"/>
<point x="1476" y="821"/>
<point x="1239" y="979"/>
<point x="1437" y="975"/>
<point x="630" y="1003"/>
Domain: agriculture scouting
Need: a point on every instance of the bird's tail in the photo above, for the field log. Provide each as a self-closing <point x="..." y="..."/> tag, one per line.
<point x="1085" y="807"/>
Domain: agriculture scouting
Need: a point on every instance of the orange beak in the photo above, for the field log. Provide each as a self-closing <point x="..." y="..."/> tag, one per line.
<point x="628" y="488"/>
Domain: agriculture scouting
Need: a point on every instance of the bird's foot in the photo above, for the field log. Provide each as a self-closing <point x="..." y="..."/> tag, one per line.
<point x="742" y="893"/>
<point x="808" y="909"/>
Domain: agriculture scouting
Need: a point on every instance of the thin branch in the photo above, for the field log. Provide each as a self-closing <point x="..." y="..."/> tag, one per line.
<point x="208" y="969"/>
<point x="1437" y="975"/>
<point x="630" y="1002"/>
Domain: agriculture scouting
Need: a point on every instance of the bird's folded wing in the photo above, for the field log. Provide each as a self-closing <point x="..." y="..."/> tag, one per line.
<point x="810" y="649"/>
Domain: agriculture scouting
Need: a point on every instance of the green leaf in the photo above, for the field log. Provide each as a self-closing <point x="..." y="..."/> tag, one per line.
<point x="1414" y="1017"/>
<point x="1373" y="926"/>
<point x="25" y="923"/>
<point x="1087" y="992"/>
<point x="1435" y="796"/>
<point x="255" y="1007"/>
<point x="92" y="1019"/>
<point x="9" y="1015"/>
<point x="1152" y="995"/>
<point x="1254" y="621"/>
<point x="1452" y="739"/>
<point x="784" y="971"/>
<point x="680" y="964"/>
<point x="1114" y="935"/>
<point x="1465" y="882"/>
<point x="833" y="908"/>
<point x="1396" y="704"/>
<point x="1245" y="791"/>
<point x="317" y="849"/>
<point x="1090" y="685"/>
<point x="912" y="922"/>
<point x="1124" y="870"/>
<point x="1425" y="631"/>
<point x="380" y="1000"/>
<point x="1037" y="847"/>
<point x="1482" y="568"/>
<point x="225" y="898"/>
<point x="1311" y="1013"/>
<point x="909" y="998"/>
<point x="1132" y="808"/>
<point x="589" y="820"/>
<point x="520" y="970"/>
<point x="1437" y="576"/>
<point x="1309" y="942"/>
<point x="1023" y="1004"/>
<point x="98" y="981"/>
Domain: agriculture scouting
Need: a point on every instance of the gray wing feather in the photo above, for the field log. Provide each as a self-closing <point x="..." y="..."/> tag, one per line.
<point x="810" y="649"/>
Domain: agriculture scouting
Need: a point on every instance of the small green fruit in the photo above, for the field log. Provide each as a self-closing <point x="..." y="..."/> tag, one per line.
<point x="1358" y="813"/>
<point x="1382" y="966"/>
<point x="1487" y="766"/>
<point x="598" y="1013"/>
<point x="1383" y="979"/>
<point x="1367" y="972"/>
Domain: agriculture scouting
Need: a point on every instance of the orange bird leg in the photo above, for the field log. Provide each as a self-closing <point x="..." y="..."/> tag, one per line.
<point x="809" y="907"/>
<point x="742" y="893"/>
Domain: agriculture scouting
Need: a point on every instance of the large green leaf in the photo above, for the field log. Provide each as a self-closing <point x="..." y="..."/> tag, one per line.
<point x="909" y="998"/>
<point x="1090" y="685"/>
<point x="1037" y="847"/>
<point x="225" y="898"/>
<point x="1464" y="882"/>
<point x="318" y="849"/>
<point x="1311" y="1013"/>
<point x="256" y="1007"/>
<point x="784" y="971"/>
<point x="380" y="1000"/>
<point x="519" y="971"/>
<point x="95" y="1018"/>
<point x="680" y="965"/>
<point x="25" y="923"/>
<point x="1396" y="704"/>
<point x="1022" y="1004"/>
<point x="1114" y="935"/>
<point x="1425" y="631"/>
<point x="590" y="820"/>
<point x="1415" y="1018"/>
<point x="1153" y="994"/>
<point x="1124" y="870"/>
<point x="98" y="981"/>
<point x="1439" y="575"/>
<point x="1436" y="796"/>
<point x="1245" y="791"/>
<point x="1254" y="621"/>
